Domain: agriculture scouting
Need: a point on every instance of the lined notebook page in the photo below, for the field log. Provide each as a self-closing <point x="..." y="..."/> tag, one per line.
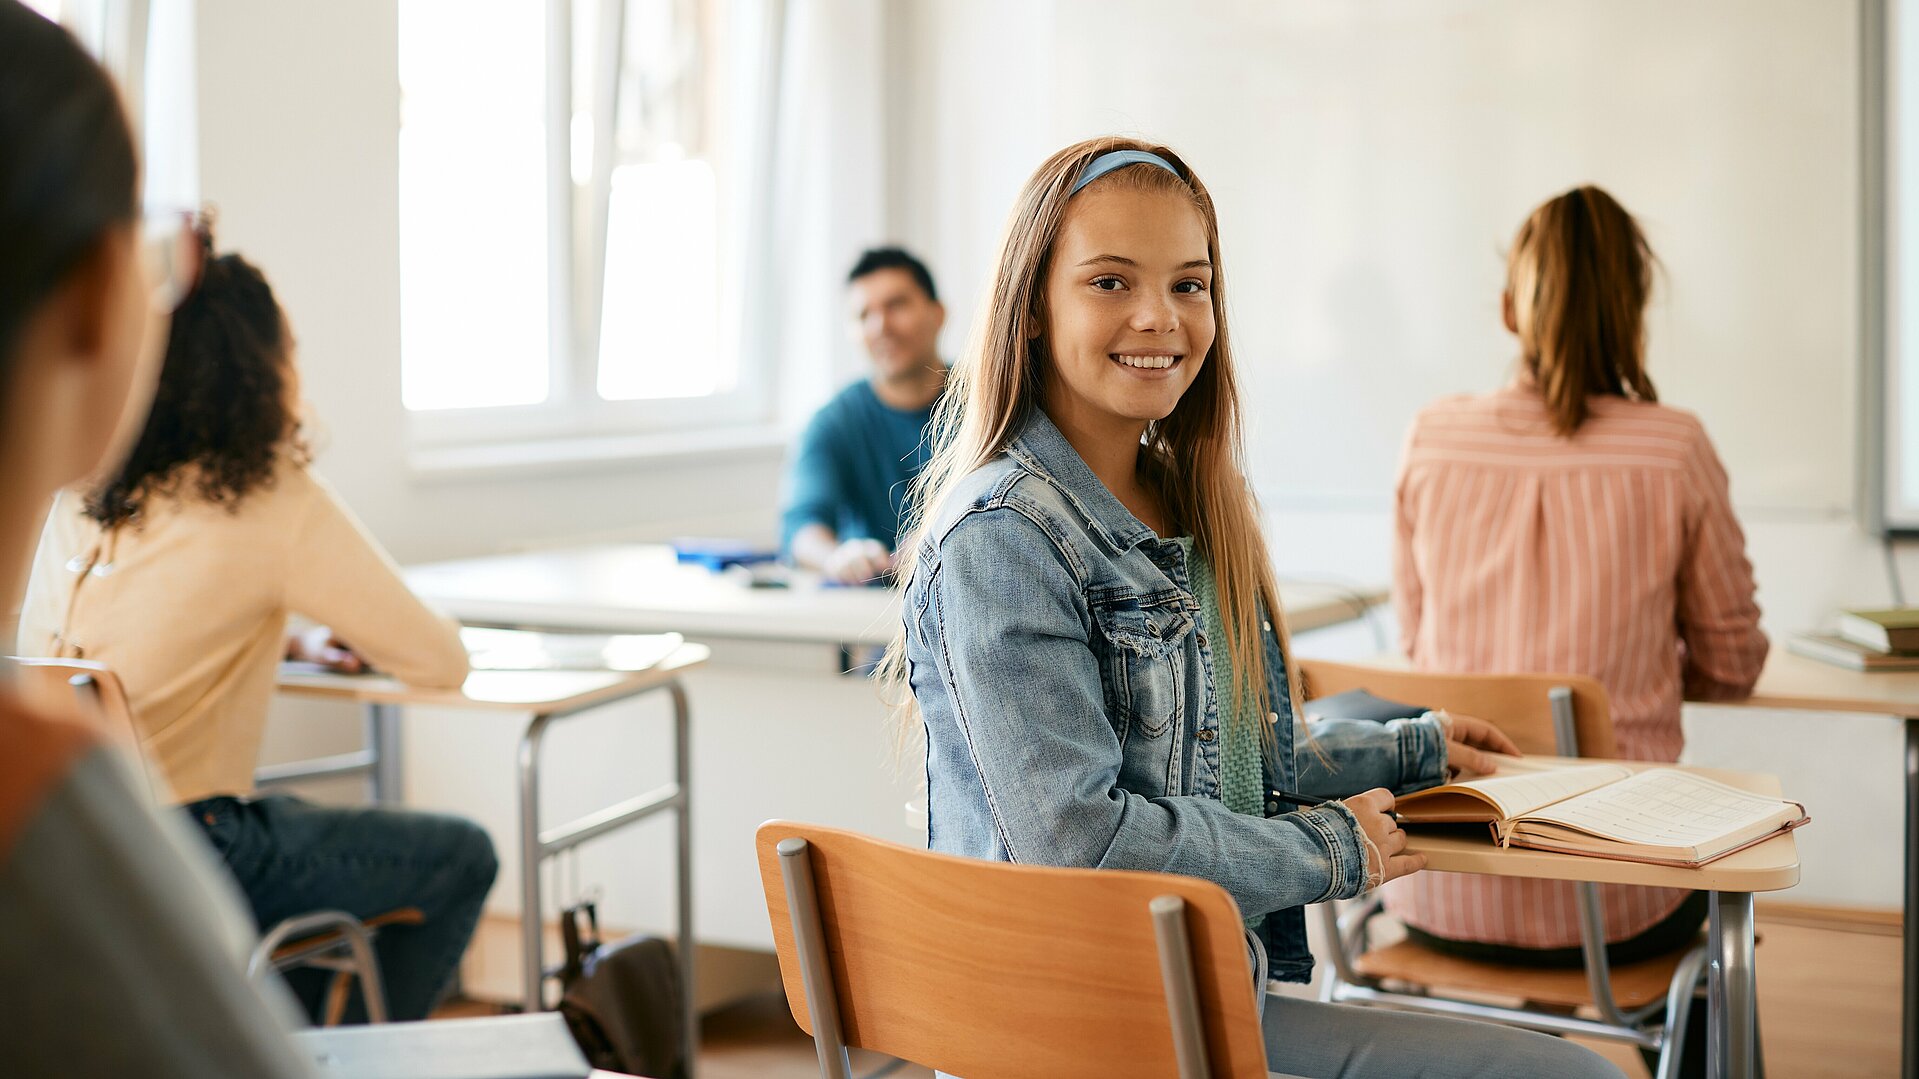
<point x="1663" y="808"/>
<point x="1523" y="793"/>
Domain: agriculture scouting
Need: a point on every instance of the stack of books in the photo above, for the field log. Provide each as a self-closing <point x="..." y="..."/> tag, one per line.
<point x="1874" y="640"/>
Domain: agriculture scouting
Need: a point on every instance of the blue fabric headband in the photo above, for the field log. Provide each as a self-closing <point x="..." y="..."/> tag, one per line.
<point x="1118" y="159"/>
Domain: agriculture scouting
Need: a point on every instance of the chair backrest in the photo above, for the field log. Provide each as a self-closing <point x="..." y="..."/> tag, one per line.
<point x="985" y="969"/>
<point x="1515" y="703"/>
<point x="102" y="699"/>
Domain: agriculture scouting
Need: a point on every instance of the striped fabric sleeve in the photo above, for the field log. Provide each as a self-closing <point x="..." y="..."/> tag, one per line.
<point x="1718" y="612"/>
<point x="1406" y="588"/>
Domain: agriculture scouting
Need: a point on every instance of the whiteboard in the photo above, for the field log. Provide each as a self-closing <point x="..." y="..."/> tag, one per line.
<point x="1372" y="161"/>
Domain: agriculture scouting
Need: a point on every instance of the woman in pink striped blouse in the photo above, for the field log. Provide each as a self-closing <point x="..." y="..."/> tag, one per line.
<point x="1569" y="523"/>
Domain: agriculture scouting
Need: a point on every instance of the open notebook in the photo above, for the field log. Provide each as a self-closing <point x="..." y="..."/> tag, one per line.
<point x="1660" y="815"/>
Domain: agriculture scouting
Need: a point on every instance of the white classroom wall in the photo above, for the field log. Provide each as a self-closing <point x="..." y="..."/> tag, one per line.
<point x="1369" y="164"/>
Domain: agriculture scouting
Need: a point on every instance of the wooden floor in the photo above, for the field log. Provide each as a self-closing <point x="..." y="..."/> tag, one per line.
<point x="1828" y="998"/>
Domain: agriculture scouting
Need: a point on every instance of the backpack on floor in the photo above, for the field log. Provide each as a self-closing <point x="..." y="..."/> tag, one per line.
<point x="622" y="1001"/>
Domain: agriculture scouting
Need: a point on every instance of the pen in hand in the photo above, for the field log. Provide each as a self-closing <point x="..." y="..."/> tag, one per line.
<point x="1274" y="797"/>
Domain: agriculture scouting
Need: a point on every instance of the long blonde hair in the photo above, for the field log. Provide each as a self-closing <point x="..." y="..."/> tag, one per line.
<point x="1191" y="459"/>
<point x="1579" y="275"/>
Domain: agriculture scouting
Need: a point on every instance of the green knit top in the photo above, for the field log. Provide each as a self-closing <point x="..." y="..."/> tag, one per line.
<point x="1242" y="770"/>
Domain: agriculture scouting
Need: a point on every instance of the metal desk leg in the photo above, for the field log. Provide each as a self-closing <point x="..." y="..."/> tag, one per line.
<point x="383" y="744"/>
<point x="1732" y="990"/>
<point x="1909" y="1029"/>
<point x="536" y="847"/>
<point x="683" y="826"/>
<point x="532" y="957"/>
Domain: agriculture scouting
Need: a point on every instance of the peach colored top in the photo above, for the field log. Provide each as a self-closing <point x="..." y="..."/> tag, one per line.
<point x="1613" y="554"/>
<point x="189" y="607"/>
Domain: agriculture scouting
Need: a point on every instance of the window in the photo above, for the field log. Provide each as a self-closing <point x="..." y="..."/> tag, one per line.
<point x="473" y="247"/>
<point x="147" y="45"/>
<point x="570" y="286"/>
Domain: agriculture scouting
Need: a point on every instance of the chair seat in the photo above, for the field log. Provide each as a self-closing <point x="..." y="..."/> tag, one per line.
<point x="321" y="942"/>
<point x="1634" y="985"/>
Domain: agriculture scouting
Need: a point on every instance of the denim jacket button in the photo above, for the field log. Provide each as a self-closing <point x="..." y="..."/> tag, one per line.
<point x="1269" y="627"/>
<point x="1204" y="736"/>
<point x="1202" y="638"/>
<point x="1272" y="717"/>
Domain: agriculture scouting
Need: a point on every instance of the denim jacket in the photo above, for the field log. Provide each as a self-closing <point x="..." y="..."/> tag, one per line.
<point x="1065" y="681"/>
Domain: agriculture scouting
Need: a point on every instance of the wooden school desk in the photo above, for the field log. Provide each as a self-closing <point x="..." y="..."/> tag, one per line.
<point x="549" y="696"/>
<point x="1732" y="1005"/>
<point x="1795" y="682"/>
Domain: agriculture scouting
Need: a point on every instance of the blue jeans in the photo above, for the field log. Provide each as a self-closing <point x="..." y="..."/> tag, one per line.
<point x="291" y="857"/>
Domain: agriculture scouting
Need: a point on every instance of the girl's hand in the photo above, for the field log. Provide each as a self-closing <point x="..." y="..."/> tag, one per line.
<point x="318" y="645"/>
<point x="1380" y="834"/>
<point x="858" y="561"/>
<point x="1471" y="742"/>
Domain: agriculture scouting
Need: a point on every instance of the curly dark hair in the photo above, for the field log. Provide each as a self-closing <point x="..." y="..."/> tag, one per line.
<point x="221" y="423"/>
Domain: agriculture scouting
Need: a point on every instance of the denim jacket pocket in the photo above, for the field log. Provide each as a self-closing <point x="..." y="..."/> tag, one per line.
<point x="1145" y="660"/>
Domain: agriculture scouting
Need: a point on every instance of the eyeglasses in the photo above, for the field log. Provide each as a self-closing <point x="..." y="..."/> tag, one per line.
<point x="173" y="244"/>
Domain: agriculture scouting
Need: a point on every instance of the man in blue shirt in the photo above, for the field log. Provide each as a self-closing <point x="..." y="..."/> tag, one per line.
<point x="847" y="482"/>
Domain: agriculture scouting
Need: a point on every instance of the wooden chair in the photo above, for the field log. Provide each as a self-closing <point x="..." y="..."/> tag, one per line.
<point x="987" y="970"/>
<point x="57" y="684"/>
<point x="1644" y="1003"/>
<point x="329" y="940"/>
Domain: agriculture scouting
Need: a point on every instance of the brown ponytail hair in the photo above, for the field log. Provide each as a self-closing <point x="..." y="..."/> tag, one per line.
<point x="1577" y="282"/>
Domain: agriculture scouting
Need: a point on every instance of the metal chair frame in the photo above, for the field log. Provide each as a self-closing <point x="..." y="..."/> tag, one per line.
<point x="355" y="940"/>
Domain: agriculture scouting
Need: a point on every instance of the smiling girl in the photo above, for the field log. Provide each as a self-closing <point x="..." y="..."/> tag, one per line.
<point x="1092" y="640"/>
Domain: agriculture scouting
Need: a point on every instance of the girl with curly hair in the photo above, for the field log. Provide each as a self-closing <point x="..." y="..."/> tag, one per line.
<point x="179" y="572"/>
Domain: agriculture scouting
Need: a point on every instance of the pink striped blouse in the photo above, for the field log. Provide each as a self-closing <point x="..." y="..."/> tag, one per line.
<point x="1614" y="554"/>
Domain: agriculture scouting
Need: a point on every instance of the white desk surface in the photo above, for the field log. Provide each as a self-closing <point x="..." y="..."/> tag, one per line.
<point x="504" y="691"/>
<point x="1766" y="867"/>
<point x="639" y="588"/>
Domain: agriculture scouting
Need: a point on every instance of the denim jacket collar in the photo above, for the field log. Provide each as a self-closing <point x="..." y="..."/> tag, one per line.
<point x="1042" y="448"/>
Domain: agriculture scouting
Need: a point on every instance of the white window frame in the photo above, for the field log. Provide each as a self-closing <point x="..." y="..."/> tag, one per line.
<point x="574" y="412"/>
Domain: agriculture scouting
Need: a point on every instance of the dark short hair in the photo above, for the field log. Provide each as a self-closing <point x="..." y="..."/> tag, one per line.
<point x="221" y="423"/>
<point x="67" y="173"/>
<point x="875" y="259"/>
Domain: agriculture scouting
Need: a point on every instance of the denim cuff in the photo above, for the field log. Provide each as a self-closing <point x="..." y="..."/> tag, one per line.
<point x="1422" y="753"/>
<point x="1338" y="830"/>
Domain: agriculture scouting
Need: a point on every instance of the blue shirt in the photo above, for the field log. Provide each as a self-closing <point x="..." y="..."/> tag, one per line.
<point x="852" y="468"/>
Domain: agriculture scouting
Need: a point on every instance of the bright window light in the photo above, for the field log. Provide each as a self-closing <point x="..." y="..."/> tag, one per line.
<point x="473" y="255"/>
<point x="660" y="321"/>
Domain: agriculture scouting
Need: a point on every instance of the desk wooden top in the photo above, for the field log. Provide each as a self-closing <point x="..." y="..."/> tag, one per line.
<point x="1794" y="681"/>
<point x="500" y="691"/>
<point x="1768" y="867"/>
<point x="640" y="588"/>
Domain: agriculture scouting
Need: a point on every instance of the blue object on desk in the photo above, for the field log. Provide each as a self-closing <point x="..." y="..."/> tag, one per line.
<point x="718" y="554"/>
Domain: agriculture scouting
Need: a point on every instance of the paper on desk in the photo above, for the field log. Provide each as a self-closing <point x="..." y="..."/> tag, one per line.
<point x="522" y="650"/>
